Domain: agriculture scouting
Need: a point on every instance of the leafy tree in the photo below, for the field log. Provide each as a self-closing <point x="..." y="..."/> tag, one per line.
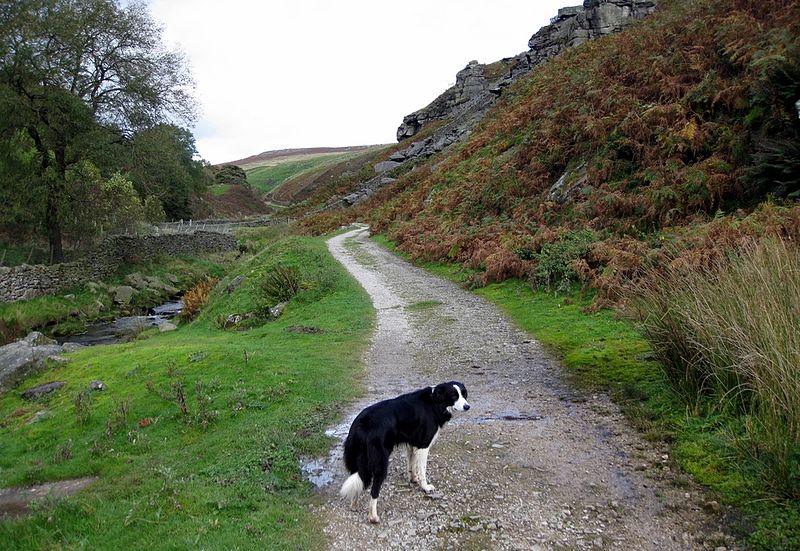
<point x="230" y="174"/>
<point x="153" y="210"/>
<point x="162" y="162"/>
<point x="75" y="73"/>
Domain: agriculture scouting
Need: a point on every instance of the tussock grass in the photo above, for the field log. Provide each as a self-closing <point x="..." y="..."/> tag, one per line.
<point x="729" y="332"/>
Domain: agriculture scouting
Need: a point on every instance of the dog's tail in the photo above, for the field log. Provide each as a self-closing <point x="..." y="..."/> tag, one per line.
<point x="352" y="487"/>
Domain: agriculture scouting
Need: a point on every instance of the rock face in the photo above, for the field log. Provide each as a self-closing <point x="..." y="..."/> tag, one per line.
<point x="476" y="87"/>
<point x="27" y="356"/>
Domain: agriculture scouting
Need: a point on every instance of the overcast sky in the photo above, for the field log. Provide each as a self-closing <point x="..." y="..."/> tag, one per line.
<point x="309" y="73"/>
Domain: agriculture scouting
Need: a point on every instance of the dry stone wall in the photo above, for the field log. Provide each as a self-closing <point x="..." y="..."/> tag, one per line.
<point x="21" y="282"/>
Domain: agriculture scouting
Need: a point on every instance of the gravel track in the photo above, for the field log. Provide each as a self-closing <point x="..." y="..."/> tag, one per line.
<point x="533" y="465"/>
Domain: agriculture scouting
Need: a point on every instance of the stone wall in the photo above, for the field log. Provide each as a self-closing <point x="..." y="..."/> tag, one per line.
<point x="26" y="281"/>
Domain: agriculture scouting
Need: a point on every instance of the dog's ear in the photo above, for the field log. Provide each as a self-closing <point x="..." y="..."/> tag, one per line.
<point x="439" y="393"/>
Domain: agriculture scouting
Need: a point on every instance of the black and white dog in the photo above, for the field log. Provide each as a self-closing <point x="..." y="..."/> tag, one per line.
<point x="412" y="420"/>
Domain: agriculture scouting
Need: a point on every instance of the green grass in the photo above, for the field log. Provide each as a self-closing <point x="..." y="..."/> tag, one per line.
<point x="265" y="394"/>
<point x="219" y="189"/>
<point x="602" y="351"/>
<point x="267" y="178"/>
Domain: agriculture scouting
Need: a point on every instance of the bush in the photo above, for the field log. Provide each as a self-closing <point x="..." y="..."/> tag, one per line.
<point x="729" y="333"/>
<point x="196" y="297"/>
<point x="555" y="262"/>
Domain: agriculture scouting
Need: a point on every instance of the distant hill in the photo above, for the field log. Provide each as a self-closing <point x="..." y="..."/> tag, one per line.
<point x="268" y="158"/>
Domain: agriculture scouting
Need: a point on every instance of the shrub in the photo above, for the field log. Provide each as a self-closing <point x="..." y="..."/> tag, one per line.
<point x="728" y="332"/>
<point x="555" y="262"/>
<point x="196" y="297"/>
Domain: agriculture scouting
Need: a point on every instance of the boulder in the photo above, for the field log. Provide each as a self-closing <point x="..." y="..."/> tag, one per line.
<point x="568" y="185"/>
<point x="97" y="385"/>
<point x="234" y="284"/>
<point x="232" y="321"/>
<point x="276" y="311"/>
<point x="167" y="326"/>
<point x="137" y="280"/>
<point x="386" y="166"/>
<point x="34" y="338"/>
<point x="41" y="390"/>
<point x="122" y="294"/>
<point x="25" y="357"/>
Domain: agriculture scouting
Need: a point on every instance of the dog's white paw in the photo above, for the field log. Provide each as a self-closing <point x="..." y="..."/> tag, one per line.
<point x="427" y="488"/>
<point x="374" y="518"/>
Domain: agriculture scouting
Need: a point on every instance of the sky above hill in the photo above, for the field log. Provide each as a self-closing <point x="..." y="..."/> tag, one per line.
<point x="309" y="73"/>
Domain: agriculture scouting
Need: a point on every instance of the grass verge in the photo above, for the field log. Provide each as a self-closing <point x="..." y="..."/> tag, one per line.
<point x="197" y="438"/>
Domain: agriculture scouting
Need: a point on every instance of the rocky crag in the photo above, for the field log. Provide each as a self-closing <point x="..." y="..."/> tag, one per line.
<point x="479" y="86"/>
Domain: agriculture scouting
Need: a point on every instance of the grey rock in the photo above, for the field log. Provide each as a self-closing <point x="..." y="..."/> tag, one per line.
<point x="38" y="416"/>
<point x="25" y="357"/>
<point x="385" y="166"/>
<point x="276" y="311"/>
<point x="34" y="338"/>
<point x="167" y="326"/>
<point x="475" y="91"/>
<point x="232" y="320"/>
<point x="41" y="390"/>
<point x="97" y="385"/>
<point x="234" y="284"/>
<point x="569" y="185"/>
<point x="122" y="294"/>
<point x="136" y="280"/>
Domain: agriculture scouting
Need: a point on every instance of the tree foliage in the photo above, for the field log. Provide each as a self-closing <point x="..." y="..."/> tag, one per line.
<point x="230" y="174"/>
<point x="78" y="81"/>
<point x="161" y="163"/>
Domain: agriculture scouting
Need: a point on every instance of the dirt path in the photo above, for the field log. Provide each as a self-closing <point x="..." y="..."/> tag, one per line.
<point x="533" y="465"/>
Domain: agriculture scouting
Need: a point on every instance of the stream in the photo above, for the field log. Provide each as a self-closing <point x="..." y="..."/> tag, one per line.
<point x="112" y="332"/>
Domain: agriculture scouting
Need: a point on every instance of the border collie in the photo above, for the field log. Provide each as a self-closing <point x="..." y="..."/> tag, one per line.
<point x="412" y="420"/>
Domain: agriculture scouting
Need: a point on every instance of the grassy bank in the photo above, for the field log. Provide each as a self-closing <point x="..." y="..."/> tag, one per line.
<point x="72" y="309"/>
<point x="605" y="352"/>
<point x="197" y="438"/>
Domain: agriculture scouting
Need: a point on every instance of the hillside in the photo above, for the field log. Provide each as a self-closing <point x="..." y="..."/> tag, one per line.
<point x="667" y="143"/>
<point x="274" y="157"/>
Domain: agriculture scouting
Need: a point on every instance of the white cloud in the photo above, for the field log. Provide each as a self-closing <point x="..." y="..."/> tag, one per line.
<point x="305" y="73"/>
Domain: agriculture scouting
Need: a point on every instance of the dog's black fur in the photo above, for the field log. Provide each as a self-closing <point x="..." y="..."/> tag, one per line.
<point x="412" y="419"/>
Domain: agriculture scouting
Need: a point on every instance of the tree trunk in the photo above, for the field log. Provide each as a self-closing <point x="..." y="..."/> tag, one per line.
<point x="55" y="187"/>
<point x="54" y="224"/>
<point x="55" y="195"/>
